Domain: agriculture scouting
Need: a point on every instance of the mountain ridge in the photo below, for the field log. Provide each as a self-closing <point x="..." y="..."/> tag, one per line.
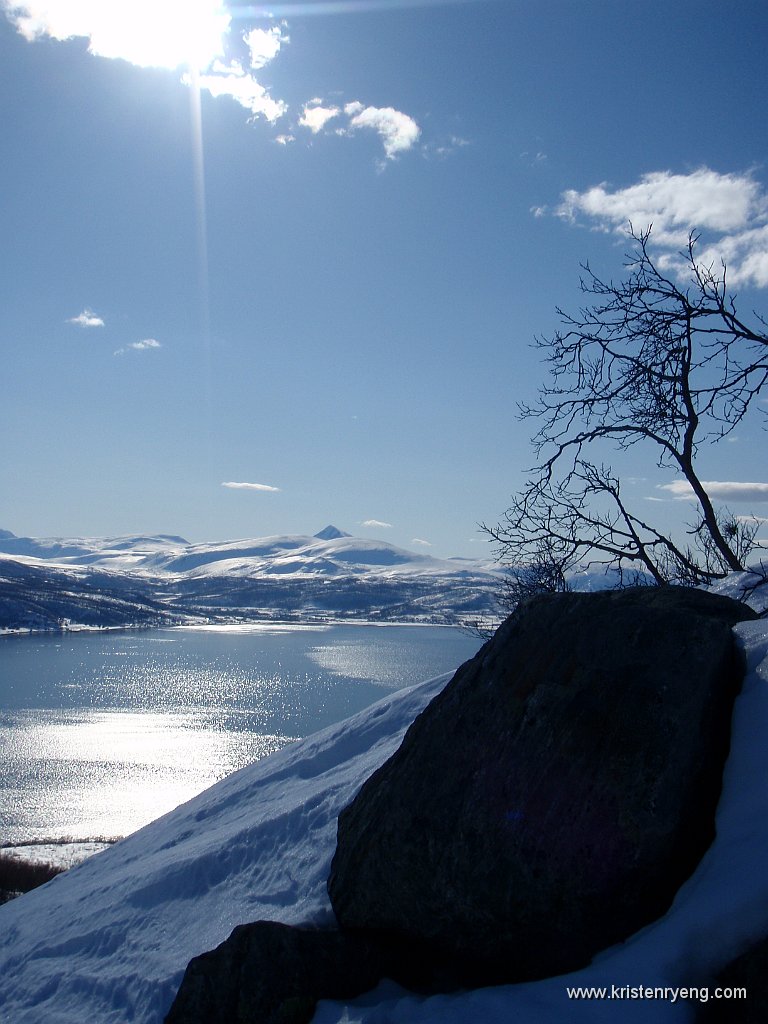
<point x="49" y="581"/>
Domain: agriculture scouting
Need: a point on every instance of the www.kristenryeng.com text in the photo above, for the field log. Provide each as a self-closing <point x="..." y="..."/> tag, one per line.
<point x="700" y="993"/>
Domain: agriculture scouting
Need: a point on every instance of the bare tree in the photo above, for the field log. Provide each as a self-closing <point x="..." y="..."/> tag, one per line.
<point x="647" y="361"/>
<point x="545" y="571"/>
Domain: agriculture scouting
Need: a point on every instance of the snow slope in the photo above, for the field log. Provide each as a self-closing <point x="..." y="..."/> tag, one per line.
<point x="108" y="941"/>
<point x="123" y="553"/>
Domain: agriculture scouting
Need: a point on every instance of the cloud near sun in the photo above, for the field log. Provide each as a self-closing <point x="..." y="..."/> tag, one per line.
<point x="196" y="35"/>
<point x="148" y="33"/>
<point x="398" y="131"/>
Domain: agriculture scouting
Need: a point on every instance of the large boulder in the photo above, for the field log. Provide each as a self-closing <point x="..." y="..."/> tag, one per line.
<point x="271" y="973"/>
<point x="743" y="990"/>
<point x="552" y="799"/>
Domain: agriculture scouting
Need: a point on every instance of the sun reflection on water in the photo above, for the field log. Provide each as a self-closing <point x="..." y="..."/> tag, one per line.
<point x="101" y="734"/>
<point x="112" y="771"/>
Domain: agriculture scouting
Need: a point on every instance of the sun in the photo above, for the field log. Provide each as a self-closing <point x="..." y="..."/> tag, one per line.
<point x="158" y="33"/>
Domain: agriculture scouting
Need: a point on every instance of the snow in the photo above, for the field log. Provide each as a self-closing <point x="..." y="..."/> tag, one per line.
<point x="130" y="580"/>
<point x="331" y="548"/>
<point x="109" y="940"/>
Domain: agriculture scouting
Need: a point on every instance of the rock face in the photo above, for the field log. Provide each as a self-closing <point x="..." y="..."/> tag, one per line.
<point x="552" y="799"/>
<point x="270" y="973"/>
<point x="748" y="972"/>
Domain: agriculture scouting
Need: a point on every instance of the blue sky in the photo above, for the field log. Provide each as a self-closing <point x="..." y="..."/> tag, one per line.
<point x="314" y="258"/>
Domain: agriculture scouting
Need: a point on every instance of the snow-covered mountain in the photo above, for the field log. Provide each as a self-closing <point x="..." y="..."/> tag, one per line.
<point x="115" y="552"/>
<point x="46" y="581"/>
<point x="109" y="941"/>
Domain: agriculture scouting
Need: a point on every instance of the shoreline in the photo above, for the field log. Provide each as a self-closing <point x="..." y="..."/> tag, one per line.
<point x="64" y="853"/>
<point x="234" y="625"/>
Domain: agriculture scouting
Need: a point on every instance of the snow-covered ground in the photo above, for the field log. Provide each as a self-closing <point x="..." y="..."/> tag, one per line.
<point x="108" y="941"/>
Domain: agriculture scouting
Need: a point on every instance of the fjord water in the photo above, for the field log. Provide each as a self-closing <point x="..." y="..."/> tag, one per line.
<point x="101" y="733"/>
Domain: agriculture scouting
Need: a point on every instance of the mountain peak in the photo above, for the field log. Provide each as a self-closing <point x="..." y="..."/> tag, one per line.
<point x="331" y="533"/>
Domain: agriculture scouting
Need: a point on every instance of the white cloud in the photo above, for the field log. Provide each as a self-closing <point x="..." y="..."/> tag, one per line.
<point x="377" y="523"/>
<point x="423" y="543"/>
<point x="232" y="80"/>
<point x="240" y="85"/>
<point x="454" y="142"/>
<point x="315" y="116"/>
<point x="140" y="346"/>
<point x="249" y="487"/>
<point x="147" y="33"/>
<point x="285" y="140"/>
<point x="722" y="490"/>
<point x="745" y="254"/>
<point x="732" y="207"/>
<point x="86" y="319"/>
<point x="264" y="44"/>
<point x="398" y="131"/>
<point x="672" y="202"/>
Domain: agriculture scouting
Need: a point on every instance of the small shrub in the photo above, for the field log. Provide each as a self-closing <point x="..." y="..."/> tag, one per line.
<point x="18" y="876"/>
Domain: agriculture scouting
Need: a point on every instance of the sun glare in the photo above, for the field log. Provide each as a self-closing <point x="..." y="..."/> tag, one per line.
<point x="148" y="33"/>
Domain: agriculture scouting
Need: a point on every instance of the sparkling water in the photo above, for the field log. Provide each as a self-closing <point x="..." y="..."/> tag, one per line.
<point x="101" y="733"/>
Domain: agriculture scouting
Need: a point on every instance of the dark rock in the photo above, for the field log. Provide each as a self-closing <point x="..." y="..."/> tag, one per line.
<point x="331" y="533"/>
<point x="552" y="799"/>
<point x="270" y="973"/>
<point x="747" y="972"/>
